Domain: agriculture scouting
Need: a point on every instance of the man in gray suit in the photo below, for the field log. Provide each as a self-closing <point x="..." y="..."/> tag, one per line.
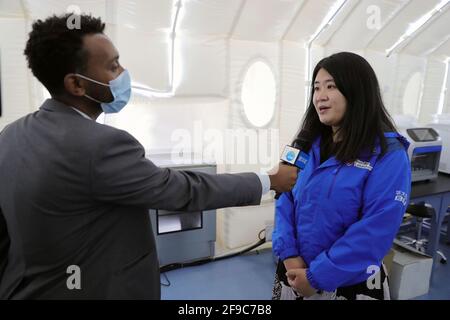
<point x="76" y="193"/>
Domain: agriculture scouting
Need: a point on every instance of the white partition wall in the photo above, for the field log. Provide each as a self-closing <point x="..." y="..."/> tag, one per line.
<point x="293" y="89"/>
<point x="434" y="78"/>
<point x="15" y="79"/>
<point x="445" y="91"/>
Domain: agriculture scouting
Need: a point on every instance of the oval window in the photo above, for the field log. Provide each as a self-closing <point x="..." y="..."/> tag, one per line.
<point x="258" y="94"/>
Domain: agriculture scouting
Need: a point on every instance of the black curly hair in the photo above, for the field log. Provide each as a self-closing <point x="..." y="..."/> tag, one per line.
<point x="54" y="50"/>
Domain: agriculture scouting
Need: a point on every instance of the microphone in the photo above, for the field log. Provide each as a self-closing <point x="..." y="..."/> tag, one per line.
<point x="297" y="154"/>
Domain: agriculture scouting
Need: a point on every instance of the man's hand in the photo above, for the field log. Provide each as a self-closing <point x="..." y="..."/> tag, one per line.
<point x="283" y="178"/>
<point x="294" y="263"/>
<point x="297" y="280"/>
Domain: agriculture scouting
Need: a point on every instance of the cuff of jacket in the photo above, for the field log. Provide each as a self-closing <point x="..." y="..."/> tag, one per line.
<point x="311" y="280"/>
<point x="288" y="253"/>
<point x="322" y="274"/>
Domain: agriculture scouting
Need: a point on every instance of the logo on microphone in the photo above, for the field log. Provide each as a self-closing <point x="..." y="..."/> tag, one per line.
<point x="290" y="156"/>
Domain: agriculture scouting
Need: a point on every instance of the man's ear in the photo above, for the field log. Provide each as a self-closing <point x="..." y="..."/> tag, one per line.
<point x="74" y="85"/>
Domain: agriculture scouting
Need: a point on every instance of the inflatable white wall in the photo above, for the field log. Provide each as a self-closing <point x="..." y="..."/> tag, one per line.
<point x="196" y="54"/>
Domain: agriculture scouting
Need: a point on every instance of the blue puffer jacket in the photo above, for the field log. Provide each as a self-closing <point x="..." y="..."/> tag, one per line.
<point x="342" y="218"/>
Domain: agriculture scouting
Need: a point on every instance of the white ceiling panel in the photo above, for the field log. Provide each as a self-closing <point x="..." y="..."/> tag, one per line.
<point x="361" y="25"/>
<point x="257" y="21"/>
<point x="431" y="36"/>
<point x="343" y="15"/>
<point x="309" y="19"/>
<point x="390" y="34"/>
<point x="41" y="9"/>
<point x="145" y="16"/>
<point x="265" y="20"/>
<point x="208" y="17"/>
<point x="443" y="51"/>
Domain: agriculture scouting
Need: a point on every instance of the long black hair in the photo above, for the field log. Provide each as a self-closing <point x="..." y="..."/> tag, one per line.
<point x="365" y="119"/>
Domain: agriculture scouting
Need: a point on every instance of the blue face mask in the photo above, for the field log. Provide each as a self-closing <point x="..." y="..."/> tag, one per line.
<point x="120" y="89"/>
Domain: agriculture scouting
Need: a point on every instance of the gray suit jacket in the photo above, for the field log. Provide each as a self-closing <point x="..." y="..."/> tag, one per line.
<point x="75" y="192"/>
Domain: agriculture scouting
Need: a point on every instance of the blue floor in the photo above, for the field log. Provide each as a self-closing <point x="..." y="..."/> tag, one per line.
<point x="250" y="277"/>
<point x="245" y="277"/>
<point x="440" y="281"/>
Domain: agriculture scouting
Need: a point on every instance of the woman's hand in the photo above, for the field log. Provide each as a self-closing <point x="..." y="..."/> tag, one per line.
<point x="294" y="263"/>
<point x="297" y="280"/>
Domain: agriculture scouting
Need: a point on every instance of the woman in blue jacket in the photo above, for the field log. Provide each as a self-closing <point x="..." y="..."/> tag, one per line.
<point x="334" y="228"/>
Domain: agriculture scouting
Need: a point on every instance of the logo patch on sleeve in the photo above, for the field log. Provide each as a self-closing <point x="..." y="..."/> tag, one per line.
<point x="401" y="197"/>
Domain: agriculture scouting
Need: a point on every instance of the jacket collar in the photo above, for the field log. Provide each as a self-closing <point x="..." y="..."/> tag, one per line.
<point x="54" y="105"/>
<point x="365" y="155"/>
<point x="332" y="161"/>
